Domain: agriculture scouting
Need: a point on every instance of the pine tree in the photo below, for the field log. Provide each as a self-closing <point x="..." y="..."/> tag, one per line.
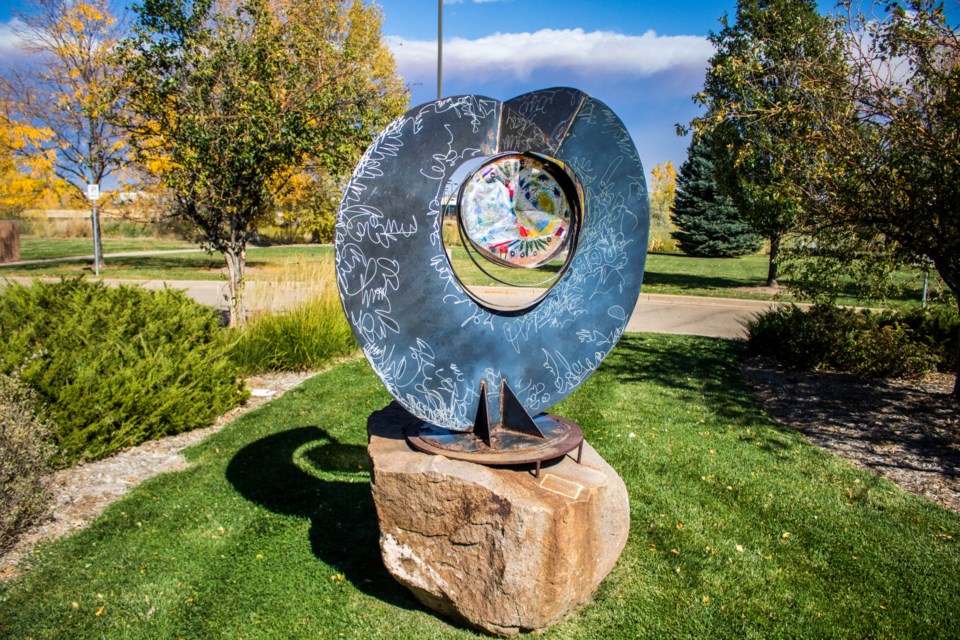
<point x="708" y="223"/>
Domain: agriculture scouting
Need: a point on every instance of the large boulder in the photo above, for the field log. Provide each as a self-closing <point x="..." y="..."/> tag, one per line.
<point x="498" y="549"/>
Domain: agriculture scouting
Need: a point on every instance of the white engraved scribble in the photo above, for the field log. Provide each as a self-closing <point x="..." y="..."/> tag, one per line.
<point x="386" y="145"/>
<point x="365" y="222"/>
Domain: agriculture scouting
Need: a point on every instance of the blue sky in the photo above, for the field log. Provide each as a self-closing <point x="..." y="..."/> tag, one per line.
<point x="644" y="59"/>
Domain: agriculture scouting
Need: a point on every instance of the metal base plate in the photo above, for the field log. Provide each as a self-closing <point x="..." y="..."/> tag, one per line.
<point x="508" y="447"/>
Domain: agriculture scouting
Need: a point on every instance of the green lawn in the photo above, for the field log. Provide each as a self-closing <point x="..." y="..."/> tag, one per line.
<point x="261" y="262"/>
<point x="739" y="528"/>
<point x="664" y="273"/>
<point x="36" y="248"/>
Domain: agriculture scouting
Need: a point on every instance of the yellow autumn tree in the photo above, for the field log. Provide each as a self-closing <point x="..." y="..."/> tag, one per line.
<point x="21" y="184"/>
<point x="663" y="191"/>
<point x="60" y="100"/>
<point x="307" y="205"/>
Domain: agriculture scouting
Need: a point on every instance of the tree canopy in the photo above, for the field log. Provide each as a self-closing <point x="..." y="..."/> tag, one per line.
<point x="753" y="70"/>
<point x="229" y="101"/>
<point x="663" y="191"/>
<point x="868" y="143"/>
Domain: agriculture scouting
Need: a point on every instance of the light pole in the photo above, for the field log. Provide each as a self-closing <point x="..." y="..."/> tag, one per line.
<point x="439" y="49"/>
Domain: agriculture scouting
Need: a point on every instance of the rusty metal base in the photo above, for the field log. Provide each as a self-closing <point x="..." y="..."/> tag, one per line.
<point x="508" y="448"/>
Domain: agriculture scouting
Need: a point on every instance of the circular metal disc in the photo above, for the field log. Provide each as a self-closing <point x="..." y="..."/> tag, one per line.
<point x="427" y="339"/>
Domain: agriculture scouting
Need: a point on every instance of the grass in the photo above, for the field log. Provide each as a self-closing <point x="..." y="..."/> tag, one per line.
<point x="262" y="263"/>
<point x="665" y="273"/>
<point x="679" y="274"/>
<point x="36" y="248"/>
<point x="301" y="336"/>
<point x="739" y="528"/>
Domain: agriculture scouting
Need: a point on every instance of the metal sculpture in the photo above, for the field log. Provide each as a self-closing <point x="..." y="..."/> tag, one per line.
<point x="557" y="173"/>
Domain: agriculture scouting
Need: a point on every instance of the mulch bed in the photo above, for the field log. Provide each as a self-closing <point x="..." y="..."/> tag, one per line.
<point x="907" y="431"/>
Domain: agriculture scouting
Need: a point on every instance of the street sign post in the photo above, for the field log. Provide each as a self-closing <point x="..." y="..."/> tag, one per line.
<point x="93" y="194"/>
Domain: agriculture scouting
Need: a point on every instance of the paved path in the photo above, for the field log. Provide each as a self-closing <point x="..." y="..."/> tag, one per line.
<point x="657" y="313"/>
<point x="688" y="315"/>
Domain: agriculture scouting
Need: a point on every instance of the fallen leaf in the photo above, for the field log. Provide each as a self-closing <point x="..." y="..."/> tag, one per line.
<point x="100" y="611"/>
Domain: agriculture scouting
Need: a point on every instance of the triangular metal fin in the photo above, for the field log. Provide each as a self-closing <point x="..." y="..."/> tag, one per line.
<point x="481" y="424"/>
<point x="513" y="416"/>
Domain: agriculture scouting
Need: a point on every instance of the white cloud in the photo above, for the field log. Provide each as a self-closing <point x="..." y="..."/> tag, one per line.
<point x="519" y="55"/>
<point x="9" y="38"/>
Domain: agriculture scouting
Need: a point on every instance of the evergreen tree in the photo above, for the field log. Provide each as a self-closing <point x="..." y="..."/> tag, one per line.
<point x="708" y="223"/>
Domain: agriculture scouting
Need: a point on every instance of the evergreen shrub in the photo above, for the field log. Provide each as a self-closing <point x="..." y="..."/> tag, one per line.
<point x="25" y="455"/>
<point x="708" y="223"/>
<point x="828" y="337"/>
<point x="938" y="327"/>
<point x="115" y="367"/>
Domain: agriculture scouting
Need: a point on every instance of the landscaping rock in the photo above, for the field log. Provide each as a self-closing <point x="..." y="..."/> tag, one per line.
<point x="498" y="549"/>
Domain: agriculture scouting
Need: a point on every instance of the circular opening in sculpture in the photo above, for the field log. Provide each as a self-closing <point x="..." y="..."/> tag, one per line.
<point x="517" y="222"/>
<point x="514" y="211"/>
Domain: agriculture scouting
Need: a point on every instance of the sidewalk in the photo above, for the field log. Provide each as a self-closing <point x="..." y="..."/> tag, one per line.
<point x="658" y="313"/>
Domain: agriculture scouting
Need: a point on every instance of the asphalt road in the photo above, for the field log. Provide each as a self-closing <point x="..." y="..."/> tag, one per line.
<point x="687" y="315"/>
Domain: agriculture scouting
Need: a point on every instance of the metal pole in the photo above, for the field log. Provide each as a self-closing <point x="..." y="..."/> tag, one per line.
<point x="439" y="49"/>
<point x="96" y="245"/>
<point x="926" y="281"/>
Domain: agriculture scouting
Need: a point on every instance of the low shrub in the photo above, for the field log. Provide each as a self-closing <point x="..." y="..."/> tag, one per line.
<point x="304" y="337"/>
<point x="128" y="229"/>
<point x="300" y="336"/>
<point x="829" y="337"/>
<point x="938" y="327"/>
<point x="116" y="366"/>
<point x="25" y="455"/>
<point x="661" y="240"/>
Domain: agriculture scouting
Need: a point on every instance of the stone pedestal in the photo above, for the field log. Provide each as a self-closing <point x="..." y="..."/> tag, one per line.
<point x="499" y="549"/>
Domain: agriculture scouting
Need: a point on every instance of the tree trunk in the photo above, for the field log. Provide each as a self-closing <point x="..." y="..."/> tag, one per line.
<point x="956" y="382"/>
<point x="236" y="261"/>
<point x="772" y="268"/>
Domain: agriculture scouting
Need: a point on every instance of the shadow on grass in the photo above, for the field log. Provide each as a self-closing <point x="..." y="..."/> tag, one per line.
<point x="688" y="281"/>
<point x="705" y="368"/>
<point x="305" y="472"/>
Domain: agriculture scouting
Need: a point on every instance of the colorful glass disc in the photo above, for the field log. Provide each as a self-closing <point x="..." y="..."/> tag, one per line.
<point x="515" y="212"/>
